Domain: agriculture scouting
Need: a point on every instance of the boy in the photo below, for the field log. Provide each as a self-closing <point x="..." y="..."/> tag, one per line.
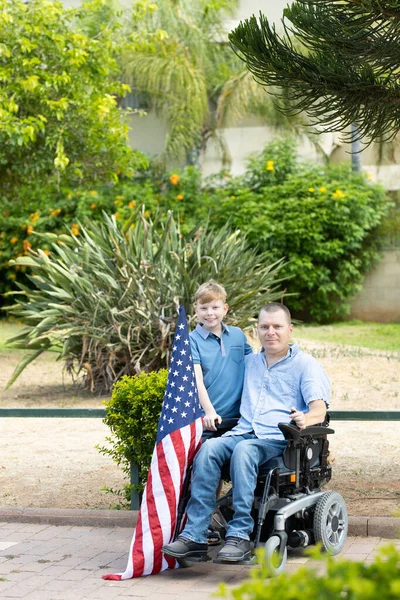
<point x="218" y="355"/>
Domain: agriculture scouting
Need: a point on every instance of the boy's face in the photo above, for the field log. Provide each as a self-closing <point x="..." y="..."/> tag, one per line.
<point x="211" y="314"/>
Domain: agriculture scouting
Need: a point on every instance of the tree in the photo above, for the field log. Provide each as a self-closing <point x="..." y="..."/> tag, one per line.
<point x="178" y="57"/>
<point x="346" y="70"/>
<point x="59" y="119"/>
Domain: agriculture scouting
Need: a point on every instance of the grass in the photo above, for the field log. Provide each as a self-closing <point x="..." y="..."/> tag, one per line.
<point x="7" y="330"/>
<point x="375" y="336"/>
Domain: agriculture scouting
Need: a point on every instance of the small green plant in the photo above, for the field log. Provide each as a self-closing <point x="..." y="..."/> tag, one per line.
<point x="132" y="415"/>
<point x="350" y="580"/>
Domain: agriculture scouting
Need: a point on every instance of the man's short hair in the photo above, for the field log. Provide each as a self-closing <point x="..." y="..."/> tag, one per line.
<point x="274" y="307"/>
<point x="210" y="291"/>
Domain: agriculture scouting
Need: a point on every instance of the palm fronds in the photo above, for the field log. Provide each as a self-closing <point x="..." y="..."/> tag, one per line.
<point x="106" y="300"/>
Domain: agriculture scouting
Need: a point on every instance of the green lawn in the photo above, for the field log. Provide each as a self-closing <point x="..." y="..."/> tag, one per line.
<point x="376" y="336"/>
<point x="8" y="329"/>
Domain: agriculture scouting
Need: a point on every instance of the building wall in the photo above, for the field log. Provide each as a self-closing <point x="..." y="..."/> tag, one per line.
<point x="379" y="299"/>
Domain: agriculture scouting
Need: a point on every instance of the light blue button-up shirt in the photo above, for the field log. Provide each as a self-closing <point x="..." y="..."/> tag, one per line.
<point x="269" y="393"/>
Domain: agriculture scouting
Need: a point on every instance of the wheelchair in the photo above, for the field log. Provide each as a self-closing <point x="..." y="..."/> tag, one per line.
<point x="290" y="510"/>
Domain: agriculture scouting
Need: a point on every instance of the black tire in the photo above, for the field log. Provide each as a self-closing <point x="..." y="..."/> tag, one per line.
<point x="275" y="561"/>
<point x="331" y="522"/>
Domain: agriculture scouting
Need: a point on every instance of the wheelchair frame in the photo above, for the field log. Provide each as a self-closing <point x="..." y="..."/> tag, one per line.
<point x="289" y="508"/>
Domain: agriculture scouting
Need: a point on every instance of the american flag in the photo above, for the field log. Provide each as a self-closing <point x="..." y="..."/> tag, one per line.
<point x="178" y="439"/>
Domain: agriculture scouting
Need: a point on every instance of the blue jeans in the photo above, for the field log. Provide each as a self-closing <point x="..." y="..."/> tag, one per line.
<point x="246" y="453"/>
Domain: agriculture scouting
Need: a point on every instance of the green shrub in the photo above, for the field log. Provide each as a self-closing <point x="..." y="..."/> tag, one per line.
<point x="351" y="580"/>
<point x="322" y="220"/>
<point x="105" y="299"/>
<point x="60" y="120"/>
<point x="132" y="415"/>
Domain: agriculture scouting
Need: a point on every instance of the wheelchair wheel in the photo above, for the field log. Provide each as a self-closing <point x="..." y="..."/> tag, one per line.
<point x="275" y="561"/>
<point x="331" y="522"/>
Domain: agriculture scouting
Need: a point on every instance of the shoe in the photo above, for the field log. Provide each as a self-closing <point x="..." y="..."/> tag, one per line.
<point x="184" y="548"/>
<point x="235" y="549"/>
<point x="213" y="537"/>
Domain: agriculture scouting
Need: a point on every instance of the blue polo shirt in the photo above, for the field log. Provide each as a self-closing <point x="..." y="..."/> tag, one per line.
<point x="222" y="363"/>
<point x="269" y="392"/>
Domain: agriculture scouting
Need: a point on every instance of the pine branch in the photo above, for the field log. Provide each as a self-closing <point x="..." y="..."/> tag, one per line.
<point x="347" y="70"/>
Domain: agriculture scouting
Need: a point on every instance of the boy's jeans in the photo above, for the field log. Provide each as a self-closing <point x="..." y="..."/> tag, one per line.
<point x="246" y="453"/>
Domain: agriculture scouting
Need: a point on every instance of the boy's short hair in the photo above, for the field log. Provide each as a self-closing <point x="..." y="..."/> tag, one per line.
<point x="209" y="291"/>
<point x="273" y="307"/>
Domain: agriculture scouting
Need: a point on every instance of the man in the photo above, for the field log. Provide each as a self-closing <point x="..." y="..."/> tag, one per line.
<point x="282" y="384"/>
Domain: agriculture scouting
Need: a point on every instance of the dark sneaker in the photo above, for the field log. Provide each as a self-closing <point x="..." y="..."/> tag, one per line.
<point x="185" y="548"/>
<point x="235" y="549"/>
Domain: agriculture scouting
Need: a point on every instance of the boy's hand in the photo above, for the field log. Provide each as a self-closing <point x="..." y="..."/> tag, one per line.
<point x="298" y="417"/>
<point x="209" y="420"/>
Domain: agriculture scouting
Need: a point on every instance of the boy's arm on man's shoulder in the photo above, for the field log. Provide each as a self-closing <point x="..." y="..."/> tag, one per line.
<point x="247" y="348"/>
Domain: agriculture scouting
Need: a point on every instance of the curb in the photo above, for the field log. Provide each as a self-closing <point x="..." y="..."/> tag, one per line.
<point x="384" y="527"/>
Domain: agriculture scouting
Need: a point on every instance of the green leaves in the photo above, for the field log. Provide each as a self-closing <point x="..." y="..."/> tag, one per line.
<point x="345" y="70"/>
<point x="58" y="118"/>
<point x="132" y="415"/>
<point x="354" y="580"/>
<point x="323" y="220"/>
<point x="108" y="297"/>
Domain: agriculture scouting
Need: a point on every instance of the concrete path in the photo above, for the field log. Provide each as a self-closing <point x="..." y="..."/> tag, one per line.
<point x="48" y="562"/>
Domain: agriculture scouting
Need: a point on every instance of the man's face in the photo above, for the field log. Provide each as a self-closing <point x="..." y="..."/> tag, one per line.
<point x="274" y="332"/>
<point x="211" y="314"/>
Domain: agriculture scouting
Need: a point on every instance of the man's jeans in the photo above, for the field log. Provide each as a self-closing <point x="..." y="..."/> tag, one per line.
<point x="246" y="453"/>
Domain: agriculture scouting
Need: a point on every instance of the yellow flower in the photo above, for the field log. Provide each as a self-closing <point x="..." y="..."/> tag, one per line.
<point x="270" y="165"/>
<point x="338" y="194"/>
<point x="12" y="276"/>
<point x="117" y="216"/>
<point x="47" y="253"/>
<point x="233" y="197"/>
<point x="119" y="197"/>
<point x="132" y="226"/>
<point x="117" y="202"/>
<point x="27" y="245"/>
<point x="29" y="230"/>
<point x="93" y="193"/>
<point x="34" y="217"/>
<point x="227" y="174"/>
<point x="179" y="197"/>
<point x="174" y="179"/>
<point x="370" y="176"/>
<point x="147" y="214"/>
<point x="322" y="190"/>
<point x="132" y="204"/>
<point x="93" y="205"/>
<point x="75" y="229"/>
<point x="311" y="190"/>
<point x="13" y="240"/>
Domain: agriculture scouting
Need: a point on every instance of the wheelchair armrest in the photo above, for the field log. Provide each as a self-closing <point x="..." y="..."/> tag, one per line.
<point x="227" y="424"/>
<point x="292" y="432"/>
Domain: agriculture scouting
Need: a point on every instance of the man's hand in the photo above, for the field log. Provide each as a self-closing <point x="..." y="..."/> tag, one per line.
<point x="315" y="415"/>
<point x="298" y="417"/>
<point x="209" y="420"/>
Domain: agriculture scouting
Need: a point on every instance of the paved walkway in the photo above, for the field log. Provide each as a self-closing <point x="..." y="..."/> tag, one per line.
<point x="48" y="562"/>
